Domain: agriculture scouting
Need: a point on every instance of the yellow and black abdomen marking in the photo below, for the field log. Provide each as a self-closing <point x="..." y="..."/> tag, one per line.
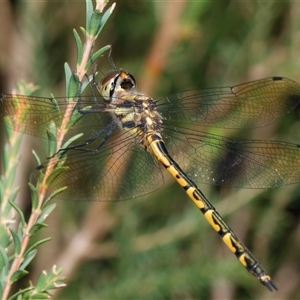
<point x="158" y="149"/>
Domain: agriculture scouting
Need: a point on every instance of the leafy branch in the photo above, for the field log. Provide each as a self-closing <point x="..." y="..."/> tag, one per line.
<point x="16" y="241"/>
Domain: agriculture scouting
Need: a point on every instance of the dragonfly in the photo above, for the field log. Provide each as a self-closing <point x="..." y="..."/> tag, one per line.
<point x="127" y="138"/>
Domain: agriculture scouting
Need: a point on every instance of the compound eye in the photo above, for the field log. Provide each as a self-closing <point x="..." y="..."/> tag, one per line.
<point x="132" y="79"/>
<point x="126" y="81"/>
<point x="107" y="85"/>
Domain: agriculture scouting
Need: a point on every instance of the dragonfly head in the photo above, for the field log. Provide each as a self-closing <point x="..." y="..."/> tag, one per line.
<point x="114" y="82"/>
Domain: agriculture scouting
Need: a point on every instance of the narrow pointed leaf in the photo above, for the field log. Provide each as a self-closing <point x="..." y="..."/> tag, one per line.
<point x="35" y="245"/>
<point x="34" y="196"/>
<point x="74" y="87"/>
<point x="19" y="211"/>
<point x="57" y="107"/>
<point x="17" y="275"/>
<point x="95" y="24"/>
<point x="36" y="158"/>
<point x="46" y="212"/>
<point x="68" y="75"/>
<point x="28" y="258"/>
<point x="83" y="31"/>
<point x="58" y="191"/>
<point x="89" y="12"/>
<point x="42" y="281"/>
<point x="36" y="227"/>
<point x="21" y="292"/>
<point x="71" y="140"/>
<point x="17" y="241"/>
<point x="95" y="56"/>
<point x="79" y="47"/>
<point x="51" y="133"/>
<point x="100" y="52"/>
<point x="106" y="15"/>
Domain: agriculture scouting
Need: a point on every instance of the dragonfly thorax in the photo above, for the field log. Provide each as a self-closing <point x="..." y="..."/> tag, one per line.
<point x="135" y="112"/>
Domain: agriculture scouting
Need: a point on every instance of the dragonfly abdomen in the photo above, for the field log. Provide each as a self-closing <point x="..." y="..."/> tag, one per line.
<point x="246" y="258"/>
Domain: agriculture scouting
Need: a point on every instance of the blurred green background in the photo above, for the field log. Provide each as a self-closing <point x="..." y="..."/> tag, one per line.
<point x="160" y="246"/>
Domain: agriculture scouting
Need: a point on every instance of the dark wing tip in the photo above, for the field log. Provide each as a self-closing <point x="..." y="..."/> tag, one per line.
<point x="277" y="78"/>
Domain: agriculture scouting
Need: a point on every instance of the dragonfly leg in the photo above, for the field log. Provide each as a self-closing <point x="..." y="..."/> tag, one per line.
<point x="107" y="130"/>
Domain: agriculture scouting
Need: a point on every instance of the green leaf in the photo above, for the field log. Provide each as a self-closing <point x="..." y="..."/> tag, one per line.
<point x="40" y="296"/>
<point x="28" y="258"/>
<point x="73" y="87"/>
<point x="95" y="56"/>
<point x="51" y="286"/>
<point x="42" y="281"/>
<point x="74" y="118"/>
<point x="88" y="12"/>
<point x="4" y="263"/>
<point x="34" y="196"/>
<point x="19" y="211"/>
<point x="79" y="47"/>
<point x="98" y="20"/>
<point x="36" y="227"/>
<point x="51" y="133"/>
<point x="51" y="280"/>
<point x="21" y="292"/>
<point x="71" y="140"/>
<point x="106" y="15"/>
<point x="100" y="52"/>
<point x="17" y="241"/>
<point x="46" y="212"/>
<point x="17" y="275"/>
<point x="8" y="125"/>
<point x="35" y="245"/>
<point x="95" y="24"/>
<point x="20" y="231"/>
<point x="36" y="158"/>
<point x="56" y="192"/>
<point x="45" y="282"/>
<point x="57" y="107"/>
<point x="68" y="75"/>
<point x="83" y="31"/>
<point x="86" y="82"/>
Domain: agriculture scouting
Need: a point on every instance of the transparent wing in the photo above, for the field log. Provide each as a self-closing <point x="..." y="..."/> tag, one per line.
<point x="32" y="115"/>
<point x="120" y="170"/>
<point x="246" y="105"/>
<point x="90" y="176"/>
<point x="212" y="159"/>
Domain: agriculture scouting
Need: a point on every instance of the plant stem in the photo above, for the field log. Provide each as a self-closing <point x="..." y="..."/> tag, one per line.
<point x="62" y="130"/>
